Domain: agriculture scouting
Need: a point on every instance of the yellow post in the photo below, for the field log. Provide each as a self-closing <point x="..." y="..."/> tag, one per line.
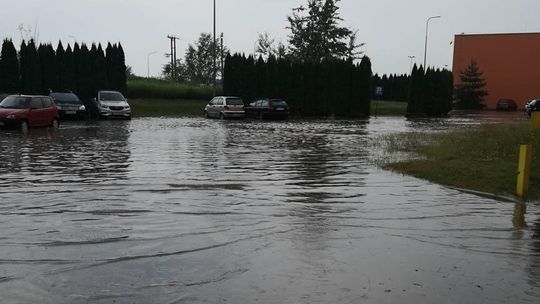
<point x="524" y="173"/>
<point x="535" y="120"/>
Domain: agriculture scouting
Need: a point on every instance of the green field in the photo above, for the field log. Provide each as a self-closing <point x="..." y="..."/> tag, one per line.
<point x="163" y="89"/>
<point x="388" y="108"/>
<point x="167" y="107"/>
<point x="482" y="159"/>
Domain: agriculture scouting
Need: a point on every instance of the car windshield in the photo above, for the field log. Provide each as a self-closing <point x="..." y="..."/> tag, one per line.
<point x="111" y="96"/>
<point x="234" y="102"/>
<point x="15" y="102"/>
<point x="278" y="103"/>
<point x="66" y="98"/>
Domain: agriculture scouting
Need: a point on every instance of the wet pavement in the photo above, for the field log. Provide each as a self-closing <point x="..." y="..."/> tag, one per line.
<point x="202" y="211"/>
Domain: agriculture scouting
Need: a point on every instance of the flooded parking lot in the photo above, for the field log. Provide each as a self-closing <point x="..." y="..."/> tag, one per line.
<point x="190" y="210"/>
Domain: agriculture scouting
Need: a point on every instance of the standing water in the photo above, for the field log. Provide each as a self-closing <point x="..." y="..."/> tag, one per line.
<point x="204" y="211"/>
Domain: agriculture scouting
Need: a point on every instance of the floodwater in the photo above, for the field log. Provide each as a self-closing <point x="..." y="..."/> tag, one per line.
<point x="190" y="210"/>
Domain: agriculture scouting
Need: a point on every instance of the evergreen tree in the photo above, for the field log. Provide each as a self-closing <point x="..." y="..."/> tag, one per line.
<point x="366" y="87"/>
<point x="61" y="66"/>
<point x="83" y="70"/>
<point x="98" y="68"/>
<point x="9" y="68"/>
<point x="49" y="76"/>
<point x="470" y="92"/>
<point x="121" y="69"/>
<point x="30" y="69"/>
<point x="416" y="92"/>
<point x="69" y="80"/>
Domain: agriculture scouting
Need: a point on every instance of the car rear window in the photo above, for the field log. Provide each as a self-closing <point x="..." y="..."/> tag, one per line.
<point x="47" y="102"/>
<point x="15" y="102"/>
<point x="278" y="103"/>
<point x="234" y="102"/>
<point x="66" y="98"/>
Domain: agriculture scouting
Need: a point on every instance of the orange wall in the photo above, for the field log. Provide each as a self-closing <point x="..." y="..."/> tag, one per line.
<point x="510" y="63"/>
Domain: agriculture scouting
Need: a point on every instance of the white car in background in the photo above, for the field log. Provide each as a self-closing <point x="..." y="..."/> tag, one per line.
<point x="113" y="104"/>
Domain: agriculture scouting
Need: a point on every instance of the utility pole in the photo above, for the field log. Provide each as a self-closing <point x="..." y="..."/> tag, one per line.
<point x="215" y="51"/>
<point x="173" y="55"/>
<point x="221" y="55"/>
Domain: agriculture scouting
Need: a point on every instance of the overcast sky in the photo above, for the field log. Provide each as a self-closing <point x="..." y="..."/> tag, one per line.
<point x="391" y="29"/>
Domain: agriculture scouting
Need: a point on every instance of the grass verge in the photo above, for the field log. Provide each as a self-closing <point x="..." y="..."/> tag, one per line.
<point x="167" y="107"/>
<point x="162" y="89"/>
<point x="482" y="159"/>
<point x="388" y="108"/>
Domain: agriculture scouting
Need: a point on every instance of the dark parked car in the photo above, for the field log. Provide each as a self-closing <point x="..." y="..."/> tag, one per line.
<point x="532" y="106"/>
<point x="69" y="105"/>
<point x="225" y="107"/>
<point x="23" y="111"/>
<point x="268" y="108"/>
<point x="506" y="105"/>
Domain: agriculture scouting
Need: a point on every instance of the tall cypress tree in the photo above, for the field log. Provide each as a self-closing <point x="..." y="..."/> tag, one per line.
<point x="30" y="69"/>
<point x="69" y="81"/>
<point x="366" y="87"/>
<point x="9" y="68"/>
<point x="109" y="63"/>
<point x="83" y="75"/>
<point x="61" y="69"/>
<point x="49" y="77"/>
<point x="121" y="69"/>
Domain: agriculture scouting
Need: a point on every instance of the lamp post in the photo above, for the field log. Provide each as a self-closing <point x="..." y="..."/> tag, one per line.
<point x="215" y="51"/>
<point x="427" y="28"/>
<point x="148" y="61"/>
<point x="411" y="58"/>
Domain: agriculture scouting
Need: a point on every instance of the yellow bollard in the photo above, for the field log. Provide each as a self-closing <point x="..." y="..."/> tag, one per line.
<point x="535" y="120"/>
<point x="524" y="173"/>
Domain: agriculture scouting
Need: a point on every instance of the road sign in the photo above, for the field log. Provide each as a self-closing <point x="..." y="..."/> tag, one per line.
<point x="379" y="91"/>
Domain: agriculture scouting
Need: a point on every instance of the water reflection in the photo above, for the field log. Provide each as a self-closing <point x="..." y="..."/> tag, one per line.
<point x="205" y="211"/>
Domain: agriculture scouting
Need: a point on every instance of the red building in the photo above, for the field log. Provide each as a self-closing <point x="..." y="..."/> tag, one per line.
<point x="510" y="64"/>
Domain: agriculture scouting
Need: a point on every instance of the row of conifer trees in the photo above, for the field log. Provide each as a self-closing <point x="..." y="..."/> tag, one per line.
<point x="395" y="87"/>
<point x="39" y="69"/>
<point x="331" y="87"/>
<point x="430" y="92"/>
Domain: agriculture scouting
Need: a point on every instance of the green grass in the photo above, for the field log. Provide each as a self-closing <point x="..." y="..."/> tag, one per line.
<point x="483" y="159"/>
<point x="162" y="89"/>
<point x="167" y="107"/>
<point x="388" y="108"/>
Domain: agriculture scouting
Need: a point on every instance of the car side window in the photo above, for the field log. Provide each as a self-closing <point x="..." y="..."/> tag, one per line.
<point x="47" y="102"/>
<point x="36" y="103"/>
<point x="220" y="102"/>
<point x="264" y="103"/>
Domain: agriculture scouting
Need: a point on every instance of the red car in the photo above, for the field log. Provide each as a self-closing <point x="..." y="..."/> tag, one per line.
<point x="22" y="111"/>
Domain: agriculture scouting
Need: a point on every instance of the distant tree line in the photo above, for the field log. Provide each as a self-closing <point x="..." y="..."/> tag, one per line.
<point x="395" y="87"/>
<point x="331" y="87"/>
<point x="38" y="69"/>
<point x="430" y="92"/>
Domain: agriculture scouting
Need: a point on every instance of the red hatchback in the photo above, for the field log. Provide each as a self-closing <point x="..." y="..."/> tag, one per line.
<point x="21" y="111"/>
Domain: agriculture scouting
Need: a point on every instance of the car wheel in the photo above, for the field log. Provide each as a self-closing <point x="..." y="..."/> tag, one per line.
<point x="221" y="116"/>
<point x="206" y="114"/>
<point x="24" y="126"/>
<point x="55" y="123"/>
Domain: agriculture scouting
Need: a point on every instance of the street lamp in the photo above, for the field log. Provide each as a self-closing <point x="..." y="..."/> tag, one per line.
<point x="425" y="49"/>
<point x="411" y="58"/>
<point x="215" y="51"/>
<point x="148" y="62"/>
